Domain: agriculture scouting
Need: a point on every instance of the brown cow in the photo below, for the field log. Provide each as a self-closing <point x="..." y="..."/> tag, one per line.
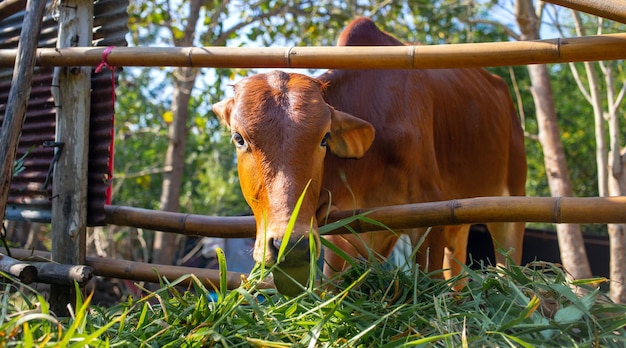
<point x="394" y="137"/>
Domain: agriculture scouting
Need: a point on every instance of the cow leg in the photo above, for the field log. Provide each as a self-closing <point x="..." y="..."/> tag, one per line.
<point x="441" y="248"/>
<point x="508" y="236"/>
<point x="445" y="248"/>
<point x="455" y="249"/>
<point x="429" y="257"/>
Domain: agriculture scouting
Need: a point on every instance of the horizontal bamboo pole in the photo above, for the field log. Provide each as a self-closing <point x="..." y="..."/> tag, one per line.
<point x="188" y="224"/>
<point x="588" y="210"/>
<point x="25" y="272"/>
<point x="140" y="271"/>
<point x="44" y="272"/>
<point x="589" y="48"/>
<point x="462" y="211"/>
<point x="62" y="274"/>
<point x="610" y="9"/>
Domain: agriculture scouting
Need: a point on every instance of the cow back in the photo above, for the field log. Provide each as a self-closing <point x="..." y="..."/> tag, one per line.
<point x="440" y="133"/>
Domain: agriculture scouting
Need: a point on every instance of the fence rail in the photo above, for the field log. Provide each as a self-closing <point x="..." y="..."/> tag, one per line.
<point x="560" y="50"/>
<point x="588" y="210"/>
<point x="147" y="272"/>
<point x="611" y="9"/>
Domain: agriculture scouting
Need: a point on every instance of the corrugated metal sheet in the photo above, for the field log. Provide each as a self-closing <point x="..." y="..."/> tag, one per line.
<point x="32" y="187"/>
<point x="110" y="28"/>
<point x="27" y="188"/>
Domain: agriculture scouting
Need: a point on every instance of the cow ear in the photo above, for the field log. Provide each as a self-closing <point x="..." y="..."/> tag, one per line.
<point x="222" y="110"/>
<point x="350" y="136"/>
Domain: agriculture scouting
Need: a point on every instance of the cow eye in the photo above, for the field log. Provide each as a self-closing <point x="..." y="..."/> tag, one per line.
<point x="325" y="139"/>
<point x="239" y="140"/>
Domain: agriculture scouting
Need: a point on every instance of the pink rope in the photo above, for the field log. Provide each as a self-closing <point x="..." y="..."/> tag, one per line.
<point x="105" y="64"/>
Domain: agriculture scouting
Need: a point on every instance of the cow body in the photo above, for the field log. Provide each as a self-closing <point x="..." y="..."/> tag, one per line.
<point x="393" y="137"/>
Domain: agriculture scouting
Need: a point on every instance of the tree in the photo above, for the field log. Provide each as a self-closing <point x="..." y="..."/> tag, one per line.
<point x="183" y="78"/>
<point x="180" y="23"/>
<point x="609" y="151"/>
<point x="571" y="244"/>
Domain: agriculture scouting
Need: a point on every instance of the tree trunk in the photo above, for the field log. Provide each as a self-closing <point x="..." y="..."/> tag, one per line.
<point x="595" y="100"/>
<point x="571" y="244"/>
<point x="611" y="173"/>
<point x="617" y="187"/>
<point x="165" y="244"/>
<point x="617" y="238"/>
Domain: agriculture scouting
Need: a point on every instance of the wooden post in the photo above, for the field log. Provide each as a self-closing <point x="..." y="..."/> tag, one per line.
<point x="18" y="97"/>
<point x="71" y="90"/>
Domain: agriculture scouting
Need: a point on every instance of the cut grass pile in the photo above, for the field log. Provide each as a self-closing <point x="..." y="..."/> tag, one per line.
<point x="373" y="305"/>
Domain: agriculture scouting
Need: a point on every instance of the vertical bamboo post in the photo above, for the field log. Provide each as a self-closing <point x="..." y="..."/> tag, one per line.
<point x="71" y="90"/>
<point x="18" y="97"/>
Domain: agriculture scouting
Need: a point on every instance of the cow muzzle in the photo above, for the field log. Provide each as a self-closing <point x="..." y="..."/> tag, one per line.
<point x="291" y="275"/>
<point x="293" y="259"/>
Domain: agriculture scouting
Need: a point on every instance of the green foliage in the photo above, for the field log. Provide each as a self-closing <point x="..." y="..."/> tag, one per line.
<point x="210" y="181"/>
<point x="576" y="123"/>
<point x="140" y="141"/>
<point x="372" y="304"/>
<point x="320" y="23"/>
<point x="26" y="320"/>
<point x="18" y="164"/>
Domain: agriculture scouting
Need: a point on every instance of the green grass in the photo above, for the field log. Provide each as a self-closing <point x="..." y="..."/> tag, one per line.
<point x="371" y="305"/>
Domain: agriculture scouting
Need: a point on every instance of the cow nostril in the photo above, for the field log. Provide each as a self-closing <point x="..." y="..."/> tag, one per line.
<point x="297" y="249"/>
<point x="274" y="245"/>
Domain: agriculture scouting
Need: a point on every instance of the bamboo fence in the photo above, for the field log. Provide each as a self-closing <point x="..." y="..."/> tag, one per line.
<point x="44" y="272"/>
<point x="460" y="211"/>
<point x="560" y="50"/>
<point x="148" y="272"/>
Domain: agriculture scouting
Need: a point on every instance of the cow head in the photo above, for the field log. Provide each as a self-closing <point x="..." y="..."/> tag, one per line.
<point x="282" y="129"/>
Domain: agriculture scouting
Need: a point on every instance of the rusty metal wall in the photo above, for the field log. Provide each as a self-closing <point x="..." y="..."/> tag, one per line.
<point x="31" y="189"/>
<point x="110" y="29"/>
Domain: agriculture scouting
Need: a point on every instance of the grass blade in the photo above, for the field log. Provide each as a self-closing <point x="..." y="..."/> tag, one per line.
<point x="221" y="260"/>
<point x="292" y="222"/>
